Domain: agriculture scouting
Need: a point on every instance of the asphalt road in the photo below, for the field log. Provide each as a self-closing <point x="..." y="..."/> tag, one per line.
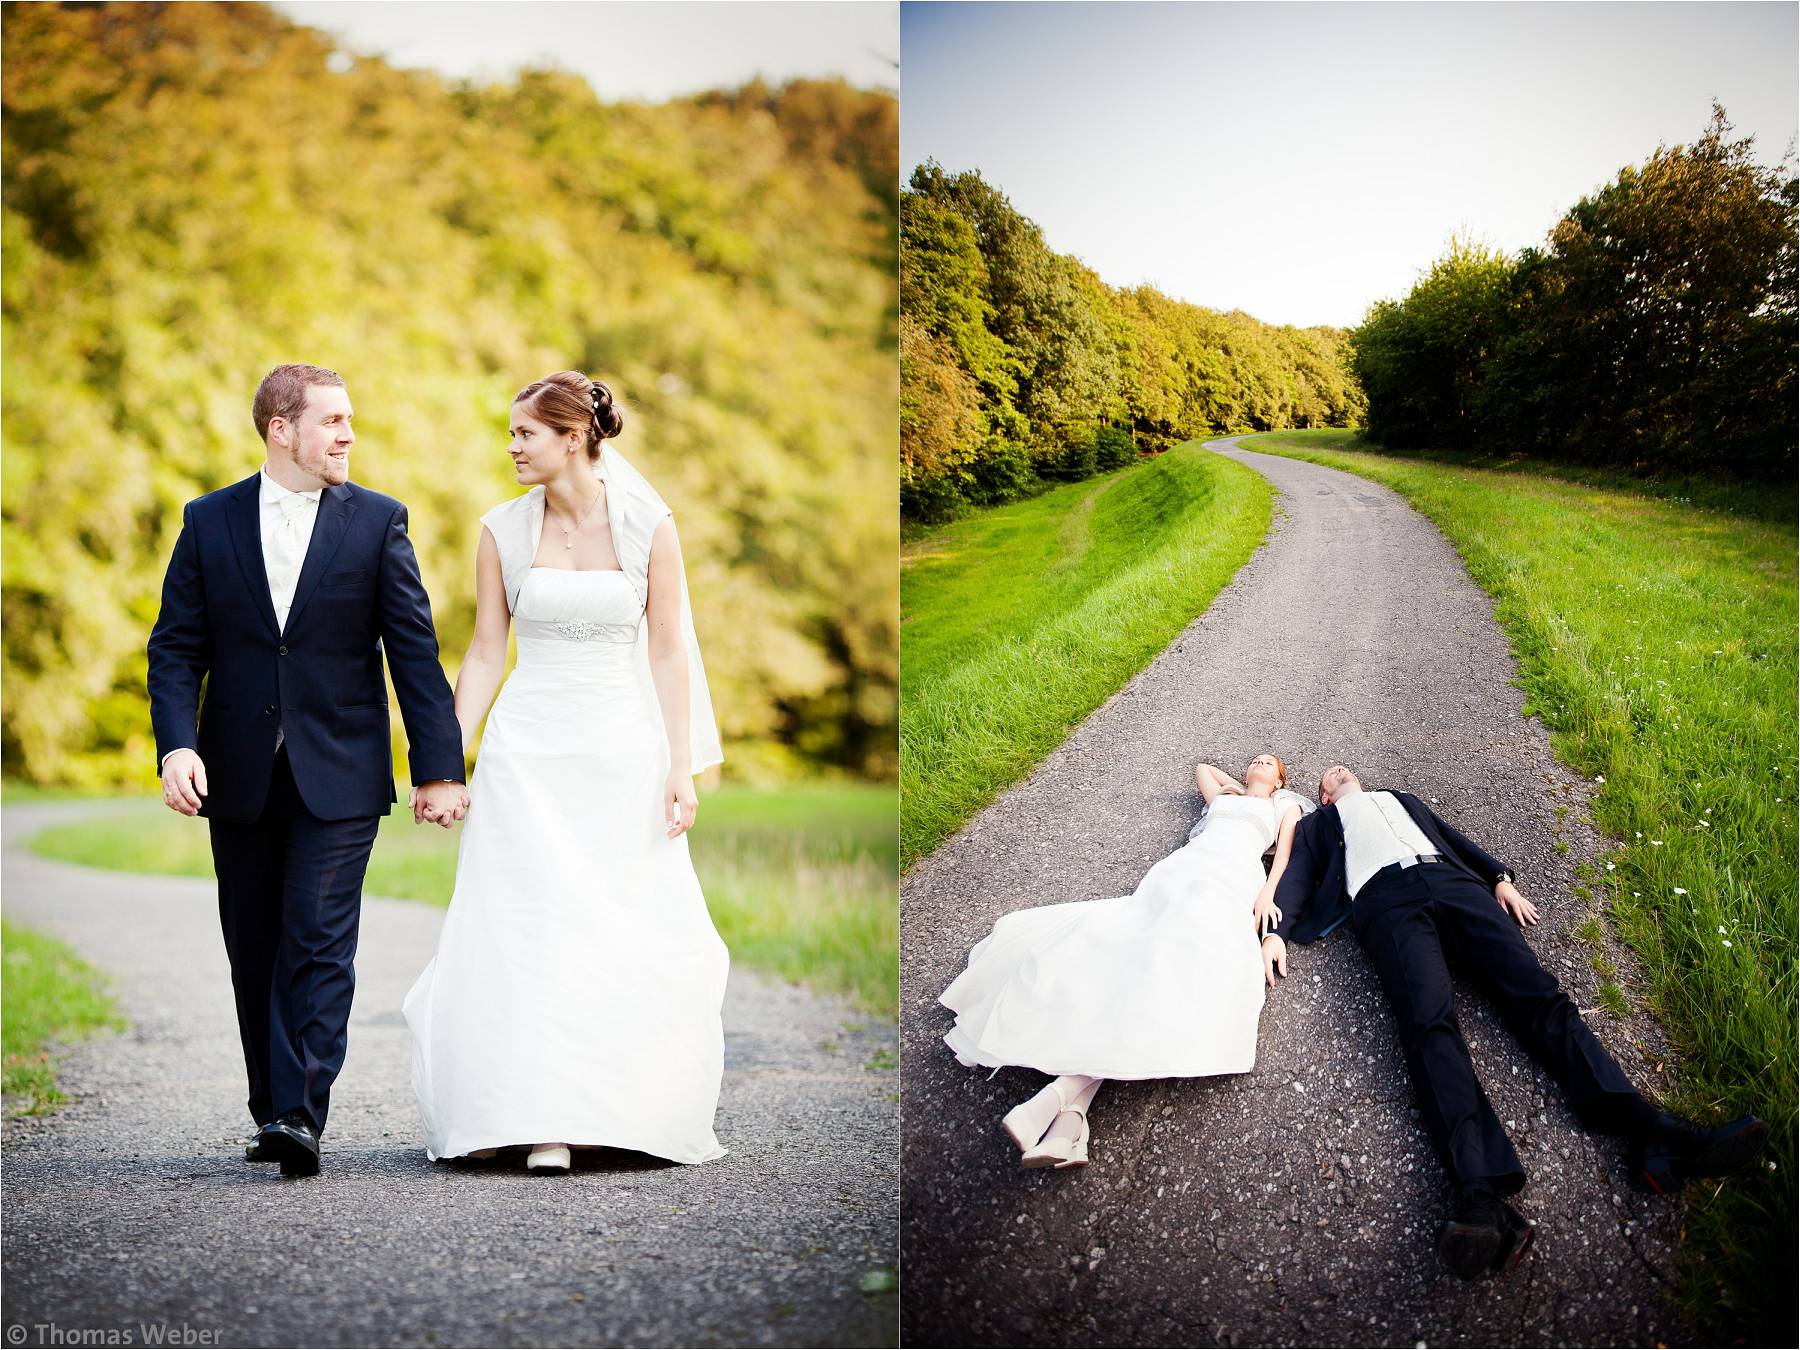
<point x="132" y="1204"/>
<point x="1296" y="1204"/>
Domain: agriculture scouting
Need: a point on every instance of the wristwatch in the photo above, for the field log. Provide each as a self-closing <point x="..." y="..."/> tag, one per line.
<point x="1507" y="877"/>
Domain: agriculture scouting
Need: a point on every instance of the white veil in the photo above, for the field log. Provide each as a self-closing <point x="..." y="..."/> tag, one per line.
<point x="635" y="509"/>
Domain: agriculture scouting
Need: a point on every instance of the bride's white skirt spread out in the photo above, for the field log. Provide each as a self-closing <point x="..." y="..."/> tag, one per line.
<point x="576" y="992"/>
<point x="1166" y="982"/>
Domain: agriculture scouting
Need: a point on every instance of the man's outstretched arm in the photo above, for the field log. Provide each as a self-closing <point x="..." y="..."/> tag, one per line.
<point x="427" y="707"/>
<point x="1485" y="866"/>
<point x="1472" y="856"/>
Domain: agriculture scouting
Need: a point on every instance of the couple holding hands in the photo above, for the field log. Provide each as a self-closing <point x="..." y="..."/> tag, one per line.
<point x="1168" y="982"/>
<point x="575" y="996"/>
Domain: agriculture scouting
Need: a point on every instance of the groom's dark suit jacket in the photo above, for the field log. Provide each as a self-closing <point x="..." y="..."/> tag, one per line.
<point x="359" y="595"/>
<point x="1311" y="895"/>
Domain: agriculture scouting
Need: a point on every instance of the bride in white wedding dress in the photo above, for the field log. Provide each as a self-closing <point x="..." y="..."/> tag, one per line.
<point x="1166" y="982"/>
<point x="574" y="998"/>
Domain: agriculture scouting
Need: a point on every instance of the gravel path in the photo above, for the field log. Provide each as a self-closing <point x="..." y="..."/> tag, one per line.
<point x="1296" y="1204"/>
<point x="132" y="1204"/>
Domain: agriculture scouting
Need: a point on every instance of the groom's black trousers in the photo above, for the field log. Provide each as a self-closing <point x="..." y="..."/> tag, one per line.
<point x="1418" y="923"/>
<point x="290" y="897"/>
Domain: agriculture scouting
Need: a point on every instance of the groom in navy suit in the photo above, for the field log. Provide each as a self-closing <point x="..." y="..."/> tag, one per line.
<point x="1422" y="897"/>
<point x="284" y="594"/>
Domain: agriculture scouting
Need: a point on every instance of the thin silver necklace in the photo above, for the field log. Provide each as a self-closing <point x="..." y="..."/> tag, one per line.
<point x="568" y="530"/>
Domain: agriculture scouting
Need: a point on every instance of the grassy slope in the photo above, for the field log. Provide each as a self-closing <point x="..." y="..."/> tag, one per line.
<point x="800" y="880"/>
<point x="1655" y="639"/>
<point x="1018" y="622"/>
<point x="50" y="995"/>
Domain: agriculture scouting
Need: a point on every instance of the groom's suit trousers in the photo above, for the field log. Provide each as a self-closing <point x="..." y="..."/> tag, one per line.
<point x="290" y="898"/>
<point x="1418" y="923"/>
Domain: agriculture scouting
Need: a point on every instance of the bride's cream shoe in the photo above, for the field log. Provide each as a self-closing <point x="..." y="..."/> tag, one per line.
<point x="548" y="1158"/>
<point x="1030" y="1120"/>
<point x="1061" y="1151"/>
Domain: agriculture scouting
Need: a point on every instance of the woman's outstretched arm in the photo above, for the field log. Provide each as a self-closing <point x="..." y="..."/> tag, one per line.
<point x="1265" y="907"/>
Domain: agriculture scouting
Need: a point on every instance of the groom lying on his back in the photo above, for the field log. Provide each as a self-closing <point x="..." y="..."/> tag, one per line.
<point x="1420" y="897"/>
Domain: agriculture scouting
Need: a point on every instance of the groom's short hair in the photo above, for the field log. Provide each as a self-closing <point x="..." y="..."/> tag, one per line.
<point x="282" y="393"/>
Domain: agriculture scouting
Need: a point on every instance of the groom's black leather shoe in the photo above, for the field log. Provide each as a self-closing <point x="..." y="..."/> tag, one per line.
<point x="1486" y="1234"/>
<point x="257" y="1149"/>
<point x="1674" y="1150"/>
<point x="293" y="1143"/>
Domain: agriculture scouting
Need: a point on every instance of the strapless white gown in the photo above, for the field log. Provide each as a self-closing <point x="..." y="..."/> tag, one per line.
<point x="576" y="991"/>
<point x="1166" y="982"/>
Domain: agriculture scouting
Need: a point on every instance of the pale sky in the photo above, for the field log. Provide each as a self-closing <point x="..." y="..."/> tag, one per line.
<point x="646" y="52"/>
<point x="1300" y="161"/>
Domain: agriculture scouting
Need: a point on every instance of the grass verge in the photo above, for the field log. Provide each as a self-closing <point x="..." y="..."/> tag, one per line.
<point x="800" y="880"/>
<point x="1655" y="639"/>
<point x="1018" y="622"/>
<point x="49" y="996"/>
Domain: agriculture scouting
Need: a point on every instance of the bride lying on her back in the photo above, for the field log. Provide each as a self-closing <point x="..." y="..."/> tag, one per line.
<point x="1166" y="982"/>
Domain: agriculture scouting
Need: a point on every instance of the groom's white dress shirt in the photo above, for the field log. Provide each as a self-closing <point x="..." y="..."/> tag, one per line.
<point x="287" y="520"/>
<point x="1377" y="831"/>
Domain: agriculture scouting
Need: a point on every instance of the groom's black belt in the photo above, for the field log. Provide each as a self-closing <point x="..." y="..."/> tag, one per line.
<point x="1404" y="863"/>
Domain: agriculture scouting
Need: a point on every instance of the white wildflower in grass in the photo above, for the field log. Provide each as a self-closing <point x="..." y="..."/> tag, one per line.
<point x="1656" y="843"/>
<point x="1599" y="778"/>
<point x="1610" y="868"/>
<point x="1705" y="824"/>
<point x="1721" y="930"/>
<point x="1726" y="941"/>
<point x="1679" y="891"/>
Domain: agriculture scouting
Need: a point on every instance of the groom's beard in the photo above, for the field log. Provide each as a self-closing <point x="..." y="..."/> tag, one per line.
<point x="328" y="472"/>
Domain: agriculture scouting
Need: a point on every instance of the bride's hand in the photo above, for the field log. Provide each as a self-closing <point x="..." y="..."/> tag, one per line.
<point x="1265" y="909"/>
<point x="680" y="805"/>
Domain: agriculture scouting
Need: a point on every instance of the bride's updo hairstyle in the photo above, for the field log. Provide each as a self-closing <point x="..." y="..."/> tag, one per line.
<point x="570" y="401"/>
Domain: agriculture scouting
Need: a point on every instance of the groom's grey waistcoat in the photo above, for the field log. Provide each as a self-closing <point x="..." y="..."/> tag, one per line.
<point x="1312" y="895"/>
<point x="359" y="596"/>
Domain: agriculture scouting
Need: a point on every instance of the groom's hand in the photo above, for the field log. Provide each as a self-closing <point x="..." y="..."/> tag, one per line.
<point x="184" y="782"/>
<point x="1274" y="955"/>
<point x="440" y="802"/>
<point x="1515" y="904"/>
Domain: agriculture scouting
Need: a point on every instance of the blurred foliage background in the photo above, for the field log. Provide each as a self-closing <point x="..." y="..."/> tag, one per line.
<point x="194" y="193"/>
<point x="1019" y="367"/>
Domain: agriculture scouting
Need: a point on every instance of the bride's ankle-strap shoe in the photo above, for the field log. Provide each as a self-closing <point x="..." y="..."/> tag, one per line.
<point x="1061" y="1151"/>
<point x="548" y="1158"/>
<point x="1030" y="1120"/>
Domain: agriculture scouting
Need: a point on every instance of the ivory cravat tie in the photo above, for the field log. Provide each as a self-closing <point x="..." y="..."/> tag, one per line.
<point x="291" y="536"/>
<point x="287" y="553"/>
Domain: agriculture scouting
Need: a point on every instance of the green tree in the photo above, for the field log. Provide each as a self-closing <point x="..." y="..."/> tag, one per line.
<point x="1072" y="375"/>
<point x="1422" y="361"/>
<point x="1658" y="326"/>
